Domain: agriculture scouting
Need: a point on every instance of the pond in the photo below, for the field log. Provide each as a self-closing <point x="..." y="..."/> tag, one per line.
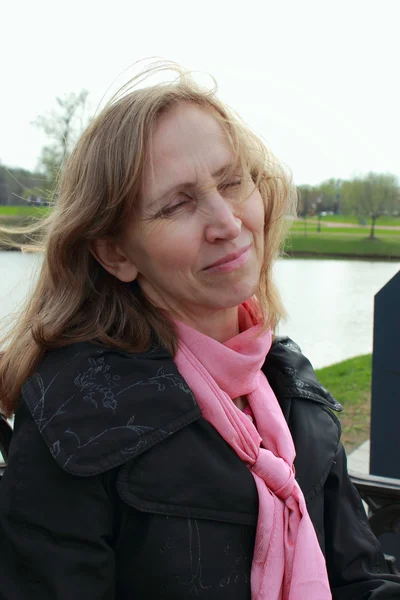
<point x="329" y="302"/>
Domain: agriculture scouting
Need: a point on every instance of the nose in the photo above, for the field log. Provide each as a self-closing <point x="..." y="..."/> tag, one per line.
<point x="221" y="221"/>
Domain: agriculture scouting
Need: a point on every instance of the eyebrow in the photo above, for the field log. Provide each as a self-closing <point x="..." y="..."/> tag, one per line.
<point x="214" y="175"/>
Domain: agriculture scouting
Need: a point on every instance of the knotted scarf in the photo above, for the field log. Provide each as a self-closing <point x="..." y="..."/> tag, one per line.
<point x="288" y="563"/>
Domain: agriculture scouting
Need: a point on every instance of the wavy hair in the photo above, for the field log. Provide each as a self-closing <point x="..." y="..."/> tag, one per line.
<point x="75" y="299"/>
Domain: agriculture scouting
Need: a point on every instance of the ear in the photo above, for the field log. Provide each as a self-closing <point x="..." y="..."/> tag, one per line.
<point x="113" y="259"/>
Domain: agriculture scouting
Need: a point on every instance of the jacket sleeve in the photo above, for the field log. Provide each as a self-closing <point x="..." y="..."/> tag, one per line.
<point x="356" y="566"/>
<point x="55" y="529"/>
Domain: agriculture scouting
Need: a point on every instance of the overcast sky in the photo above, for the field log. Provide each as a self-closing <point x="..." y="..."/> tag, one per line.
<point x="318" y="80"/>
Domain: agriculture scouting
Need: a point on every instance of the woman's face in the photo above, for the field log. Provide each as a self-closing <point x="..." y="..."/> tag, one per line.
<point x="198" y="241"/>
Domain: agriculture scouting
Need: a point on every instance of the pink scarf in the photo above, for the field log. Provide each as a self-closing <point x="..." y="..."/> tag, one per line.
<point x="288" y="563"/>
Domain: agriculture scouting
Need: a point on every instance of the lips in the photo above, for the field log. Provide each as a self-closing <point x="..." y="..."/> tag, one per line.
<point x="229" y="257"/>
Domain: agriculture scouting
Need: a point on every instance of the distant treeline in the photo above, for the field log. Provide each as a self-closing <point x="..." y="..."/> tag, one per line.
<point x="17" y="186"/>
<point x="368" y="196"/>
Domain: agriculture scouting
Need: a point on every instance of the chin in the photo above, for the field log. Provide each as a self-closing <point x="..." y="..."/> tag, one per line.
<point x="234" y="297"/>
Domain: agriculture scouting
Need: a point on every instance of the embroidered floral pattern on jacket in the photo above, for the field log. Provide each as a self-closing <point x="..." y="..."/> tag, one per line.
<point x="98" y="380"/>
<point x="99" y="385"/>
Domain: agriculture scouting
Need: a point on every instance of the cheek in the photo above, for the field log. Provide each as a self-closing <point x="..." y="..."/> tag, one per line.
<point x="255" y="213"/>
<point x="166" y="251"/>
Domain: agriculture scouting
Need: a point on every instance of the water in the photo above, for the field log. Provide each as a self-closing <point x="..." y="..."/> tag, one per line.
<point x="330" y="302"/>
<point x="330" y="305"/>
<point x="17" y="275"/>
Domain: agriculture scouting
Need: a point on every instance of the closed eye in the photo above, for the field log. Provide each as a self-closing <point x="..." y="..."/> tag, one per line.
<point x="171" y="209"/>
<point x="231" y="184"/>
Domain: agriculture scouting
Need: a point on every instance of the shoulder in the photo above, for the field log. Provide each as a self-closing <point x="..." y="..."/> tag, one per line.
<point x="308" y="408"/>
<point x="97" y="407"/>
<point x="292" y="375"/>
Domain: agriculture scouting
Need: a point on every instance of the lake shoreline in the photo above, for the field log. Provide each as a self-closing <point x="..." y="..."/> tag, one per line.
<point x="336" y="255"/>
<point x="329" y="302"/>
<point x="325" y="244"/>
<point x="285" y="255"/>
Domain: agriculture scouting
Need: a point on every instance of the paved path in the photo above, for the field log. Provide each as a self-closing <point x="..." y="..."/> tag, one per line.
<point x="334" y="224"/>
<point x="358" y="460"/>
<point x="361" y="227"/>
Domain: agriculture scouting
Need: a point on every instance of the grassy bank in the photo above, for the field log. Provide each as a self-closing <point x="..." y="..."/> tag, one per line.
<point x="350" y="383"/>
<point x="19" y="211"/>
<point x="343" y="242"/>
<point x="298" y="227"/>
<point x="333" y="243"/>
<point x="19" y="216"/>
<point x="394" y="221"/>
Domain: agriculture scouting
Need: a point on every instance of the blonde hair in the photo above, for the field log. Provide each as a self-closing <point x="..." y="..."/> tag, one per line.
<point x="75" y="299"/>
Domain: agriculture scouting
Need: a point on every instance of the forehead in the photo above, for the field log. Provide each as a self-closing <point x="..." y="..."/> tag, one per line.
<point x="185" y="139"/>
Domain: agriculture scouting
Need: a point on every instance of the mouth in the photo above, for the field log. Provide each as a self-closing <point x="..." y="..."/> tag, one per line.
<point x="230" y="261"/>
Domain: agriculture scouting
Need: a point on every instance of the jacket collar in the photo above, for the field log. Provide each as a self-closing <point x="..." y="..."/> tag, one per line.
<point x="131" y="401"/>
<point x="292" y="376"/>
<point x="134" y="401"/>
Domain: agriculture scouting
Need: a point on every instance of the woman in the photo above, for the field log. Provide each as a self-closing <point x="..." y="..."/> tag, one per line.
<point x="156" y="423"/>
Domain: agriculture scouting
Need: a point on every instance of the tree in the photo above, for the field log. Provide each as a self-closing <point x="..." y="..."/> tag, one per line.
<point x="62" y="126"/>
<point x="372" y="196"/>
<point x="16" y="184"/>
<point x="328" y="195"/>
<point x="305" y="198"/>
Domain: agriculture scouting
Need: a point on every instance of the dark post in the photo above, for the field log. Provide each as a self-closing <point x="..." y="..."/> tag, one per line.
<point x="385" y="402"/>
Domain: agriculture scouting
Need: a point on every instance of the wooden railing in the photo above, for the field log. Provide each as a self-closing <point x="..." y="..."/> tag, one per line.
<point x="382" y="496"/>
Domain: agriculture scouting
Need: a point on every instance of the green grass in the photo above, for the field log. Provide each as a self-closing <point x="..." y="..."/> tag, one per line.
<point x="22" y="211"/>
<point x="354" y="219"/>
<point x="312" y="227"/>
<point x="342" y="244"/>
<point x="21" y="216"/>
<point x="340" y="241"/>
<point x="350" y="383"/>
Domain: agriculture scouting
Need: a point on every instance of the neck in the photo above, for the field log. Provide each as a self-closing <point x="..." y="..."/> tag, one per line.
<point x="221" y="325"/>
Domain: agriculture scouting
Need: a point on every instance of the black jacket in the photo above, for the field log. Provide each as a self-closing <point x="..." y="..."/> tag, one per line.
<point x="117" y="488"/>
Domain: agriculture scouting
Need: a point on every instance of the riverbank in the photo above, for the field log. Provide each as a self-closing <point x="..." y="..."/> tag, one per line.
<point x="338" y="244"/>
<point x="350" y="383"/>
<point x="350" y="241"/>
<point x="19" y="217"/>
<point x="354" y="220"/>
